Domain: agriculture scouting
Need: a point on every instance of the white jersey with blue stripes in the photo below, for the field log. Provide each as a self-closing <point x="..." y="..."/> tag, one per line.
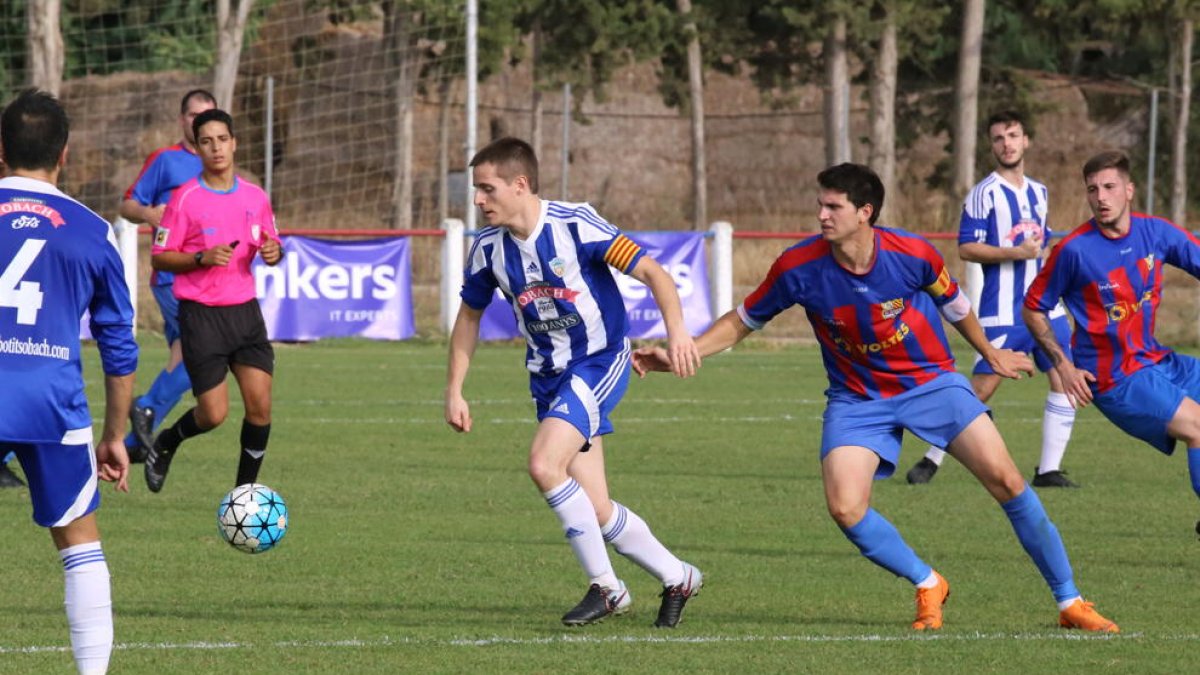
<point x="558" y="283"/>
<point x="998" y="213"/>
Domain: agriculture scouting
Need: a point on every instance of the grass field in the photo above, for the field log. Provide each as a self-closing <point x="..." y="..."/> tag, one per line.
<point x="414" y="549"/>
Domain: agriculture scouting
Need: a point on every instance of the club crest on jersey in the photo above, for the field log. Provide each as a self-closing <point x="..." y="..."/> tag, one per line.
<point x="892" y="308"/>
<point x="558" y="266"/>
<point x="34" y="206"/>
<point x="255" y="232"/>
<point x="161" y="234"/>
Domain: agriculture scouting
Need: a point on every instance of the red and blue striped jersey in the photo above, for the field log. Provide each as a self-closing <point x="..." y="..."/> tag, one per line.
<point x="1112" y="287"/>
<point x="880" y="332"/>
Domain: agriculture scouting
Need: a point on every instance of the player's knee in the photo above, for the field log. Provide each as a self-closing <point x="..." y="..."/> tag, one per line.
<point x="546" y="474"/>
<point x="846" y="514"/>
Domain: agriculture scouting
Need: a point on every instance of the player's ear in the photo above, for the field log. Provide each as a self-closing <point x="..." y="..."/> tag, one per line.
<point x="62" y="157"/>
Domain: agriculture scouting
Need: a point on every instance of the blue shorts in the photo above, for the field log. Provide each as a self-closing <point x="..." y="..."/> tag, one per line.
<point x="1018" y="339"/>
<point x="61" y="476"/>
<point x="586" y="393"/>
<point x="936" y="411"/>
<point x="168" y="304"/>
<point x="1143" y="403"/>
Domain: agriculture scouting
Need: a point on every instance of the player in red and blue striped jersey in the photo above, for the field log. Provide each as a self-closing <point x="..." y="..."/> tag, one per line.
<point x="873" y="296"/>
<point x="553" y="261"/>
<point x="1109" y="271"/>
<point x="1003" y="229"/>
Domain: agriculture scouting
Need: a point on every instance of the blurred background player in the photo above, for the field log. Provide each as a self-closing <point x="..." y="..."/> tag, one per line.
<point x="57" y="260"/>
<point x="873" y="296"/>
<point x="212" y="228"/>
<point x="1109" y="271"/>
<point x="1003" y="228"/>
<point x="551" y="261"/>
<point x="164" y="170"/>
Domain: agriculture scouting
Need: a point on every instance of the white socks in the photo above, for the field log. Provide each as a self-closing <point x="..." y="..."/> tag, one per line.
<point x="1057" y="421"/>
<point x="89" y="606"/>
<point x="574" y="510"/>
<point x="935" y="455"/>
<point x="631" y="537"/>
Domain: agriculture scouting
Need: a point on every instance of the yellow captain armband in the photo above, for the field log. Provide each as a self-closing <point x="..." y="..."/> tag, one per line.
<point x="621" y="252"/>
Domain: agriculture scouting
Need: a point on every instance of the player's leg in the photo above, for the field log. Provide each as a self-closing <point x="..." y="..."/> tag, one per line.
<point x="8" y="479"/>
<point x="63" y="489"/>
<point x="982" y="451"/>
<point x="151" y="409"/>
<point x="984" y="382"/>
<point x="1058" y="417"/>
<point x="255" y="385"/>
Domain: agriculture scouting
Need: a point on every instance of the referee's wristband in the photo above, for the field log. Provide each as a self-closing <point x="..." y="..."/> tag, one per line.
<point x="199" y="258"/>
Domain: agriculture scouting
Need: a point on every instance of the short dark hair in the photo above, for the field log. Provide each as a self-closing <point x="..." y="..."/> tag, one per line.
<point x="1007" y="118"/>
<point x="212" y="115"/>
<point x="34" y="131"/>
<point x="512" y="157"/>
<point x="859" y="183"/>
<point x="202" y="94"/>
<point x="1109" y="159"/>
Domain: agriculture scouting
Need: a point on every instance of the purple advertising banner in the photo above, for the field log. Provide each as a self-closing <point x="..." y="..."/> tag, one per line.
<point x="682" y="254"/>
<point x="326" y="289"/>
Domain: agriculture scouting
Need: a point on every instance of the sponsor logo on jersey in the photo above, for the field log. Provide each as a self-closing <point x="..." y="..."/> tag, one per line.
<point x="560" y="323"/>
<point x="1124" y="310"/>
<point x="902" y="331"/>
<point x="892" y="308"/>
<point x="25" y="222"/>
<point x="1026" y="228"/>
<point x="34" y="206"/>
<point x="542" y="290"/>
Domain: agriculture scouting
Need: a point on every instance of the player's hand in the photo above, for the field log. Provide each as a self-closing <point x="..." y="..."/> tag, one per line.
<point x="271" y="251"/>
<point x="685" y="358"/>
<point x="1075" y="383"/>
<point x="1010" y="364"/>
<point x="1030" y="247"/>
<point x="647" y="359"/>
<point x="218" y="256"/>
<point x="112" y="463"/>
<point x="458" y="413"/>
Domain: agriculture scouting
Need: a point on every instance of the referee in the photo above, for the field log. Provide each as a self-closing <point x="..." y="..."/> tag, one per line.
<point x="211" y="230"/>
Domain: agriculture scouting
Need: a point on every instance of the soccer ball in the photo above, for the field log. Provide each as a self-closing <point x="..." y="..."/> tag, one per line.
<point x="252" y="518"/>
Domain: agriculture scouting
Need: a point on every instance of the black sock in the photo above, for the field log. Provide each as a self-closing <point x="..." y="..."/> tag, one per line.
<point x="185" y="427"/>
<point x="254" y="448"/>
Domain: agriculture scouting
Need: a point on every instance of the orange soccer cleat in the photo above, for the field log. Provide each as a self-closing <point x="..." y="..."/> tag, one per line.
<point x="1083" y="615"/>
<point x="929" y="605"/>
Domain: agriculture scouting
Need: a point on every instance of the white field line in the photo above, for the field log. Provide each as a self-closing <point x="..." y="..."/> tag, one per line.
<point x="356" y="643"/>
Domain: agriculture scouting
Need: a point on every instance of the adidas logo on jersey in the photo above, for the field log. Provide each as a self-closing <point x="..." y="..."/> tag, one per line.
<point x="562" y="408"/>
<point x="532" y="269"/>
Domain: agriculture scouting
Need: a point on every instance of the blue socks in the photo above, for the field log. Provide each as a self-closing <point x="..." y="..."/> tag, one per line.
<point x="166" y="391"/>
<point x="1042" y="542"/>
<point x="882" y="544"/>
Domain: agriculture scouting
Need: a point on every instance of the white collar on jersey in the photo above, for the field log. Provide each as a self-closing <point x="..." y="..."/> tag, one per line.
<point x="29" y="185"/>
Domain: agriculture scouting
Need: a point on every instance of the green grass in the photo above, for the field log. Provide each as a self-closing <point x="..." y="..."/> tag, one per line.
<point x="415" y="549"/>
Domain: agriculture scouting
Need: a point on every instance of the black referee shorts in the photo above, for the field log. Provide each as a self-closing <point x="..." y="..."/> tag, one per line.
<point x="215" y="338"/>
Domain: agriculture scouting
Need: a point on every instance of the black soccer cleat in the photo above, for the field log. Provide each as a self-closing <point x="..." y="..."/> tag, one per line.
<point x="670" y="612"/>
<point x="1054" y="478"/>
<point x="922" y="472"/>
<point x="158" y="462"/>
<point x="598" y="604"/>
<point x="141" y="422"/>
<point x="8" y="479"/>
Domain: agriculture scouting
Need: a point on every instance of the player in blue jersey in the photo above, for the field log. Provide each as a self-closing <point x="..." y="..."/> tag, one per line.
<point x="58" y="260"/>
<point x="551" y="260"/>
<point x="1003" y="228"/>
<point x="1109" y="271"/>
<point x="873" y="295"/>
<point x="164" y="170"/>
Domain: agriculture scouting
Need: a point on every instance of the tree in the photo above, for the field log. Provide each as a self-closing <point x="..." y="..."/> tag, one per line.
<point x="883" y="105"/>
<point x="1187" y="32"/>
<point x="45" y="44"/>
<point x="231" y="30"/>
<point x="837" y="91"/>
<point x="696" y="89"/>
<point x="966" y="98"/>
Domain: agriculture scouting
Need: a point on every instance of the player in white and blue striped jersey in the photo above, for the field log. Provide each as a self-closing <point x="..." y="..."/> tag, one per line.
<point x="58" y="259"/>
<point x="1003" y="229"/>
<point x="552" y="261"/>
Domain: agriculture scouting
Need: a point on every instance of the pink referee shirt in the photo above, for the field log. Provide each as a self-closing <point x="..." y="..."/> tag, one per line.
<point x="198" y="218"/>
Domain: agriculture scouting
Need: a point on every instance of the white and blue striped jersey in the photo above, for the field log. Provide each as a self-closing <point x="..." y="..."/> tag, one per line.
<point x="558" y="283"/>
<point x="57" y="259"/>
<point x="998" y="213"/>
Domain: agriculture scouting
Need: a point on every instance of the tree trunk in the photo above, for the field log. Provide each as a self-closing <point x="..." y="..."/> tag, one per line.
<point x="538" y="107"/>
<point x="405" y="66"/>
<point x="231" y="28"/>
<point x="883" y="111"/>
<point x="444" y="148"/>
<point x="1179" y="146"/>
<point x="696" y="97"/>
<point x="45" y="44"/>
<point x="837" y="94"/>
<point x="966" y="98"/>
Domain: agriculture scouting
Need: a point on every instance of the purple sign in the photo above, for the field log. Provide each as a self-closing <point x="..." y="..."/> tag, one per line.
<point x="325" y="289"/>
<point x="682" y="254"/>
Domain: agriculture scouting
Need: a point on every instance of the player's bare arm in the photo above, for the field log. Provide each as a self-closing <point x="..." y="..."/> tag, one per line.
<point x="681" y="349"/>
<point x="1028" y="249"/>
<point x="134" y="212"/>
<point x="178" y="261"/>
<point x="1005" y="362"/>
<point x="724" y="333"/>
<point x="112" y="461"/>
<point x="463" y="339"/>
<point x="1074" y="381"/>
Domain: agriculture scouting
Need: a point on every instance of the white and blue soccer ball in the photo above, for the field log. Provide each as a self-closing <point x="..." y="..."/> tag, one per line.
<point x="252" y="518"/>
